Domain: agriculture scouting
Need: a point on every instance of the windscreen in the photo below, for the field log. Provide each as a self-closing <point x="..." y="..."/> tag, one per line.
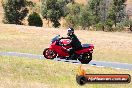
<point x="55" y="38"/>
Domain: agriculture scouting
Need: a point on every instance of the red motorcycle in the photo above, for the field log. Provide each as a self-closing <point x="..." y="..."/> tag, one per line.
<point x="59" y="48"/>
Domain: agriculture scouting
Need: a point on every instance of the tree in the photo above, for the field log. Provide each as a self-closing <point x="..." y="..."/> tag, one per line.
<point x="53" y="10"/>
<point x="109" y="23"/>
<point x="130" y="24"/>
<point x="73" y="12"/>
<point x="15" y="11"/>
<point x="117" y="11"/>
<point x="34" y="19"/>
<point x="85" y="18"/>
<point x="79" y="16"/>
<point x="70" y="1"/>
<point x="94" y="7"/>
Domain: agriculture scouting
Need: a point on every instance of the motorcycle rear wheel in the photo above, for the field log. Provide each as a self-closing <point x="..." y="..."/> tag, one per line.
<point x="86" y="58"/>
<point x="49" y="53"/>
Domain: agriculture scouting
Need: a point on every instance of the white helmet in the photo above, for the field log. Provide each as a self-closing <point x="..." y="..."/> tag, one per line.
<point x="70" y="31"/>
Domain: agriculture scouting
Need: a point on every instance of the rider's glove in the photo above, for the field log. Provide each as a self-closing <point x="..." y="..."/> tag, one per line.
<point x="69" y="49"/>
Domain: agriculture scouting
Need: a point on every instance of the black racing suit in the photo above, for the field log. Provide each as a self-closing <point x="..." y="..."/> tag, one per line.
<point x="76" y="45"/>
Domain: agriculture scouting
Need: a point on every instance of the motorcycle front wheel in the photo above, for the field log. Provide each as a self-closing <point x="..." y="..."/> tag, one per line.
<point x="49" y="53"/>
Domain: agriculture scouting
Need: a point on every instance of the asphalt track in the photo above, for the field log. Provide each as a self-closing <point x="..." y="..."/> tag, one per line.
<point x="116" y="65"/>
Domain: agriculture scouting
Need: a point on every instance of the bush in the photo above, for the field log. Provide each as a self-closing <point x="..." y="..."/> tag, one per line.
<point x="119" y="27"/>
<point x="14" y="11"/>
<point x="109" y="24"/>
<point x="100" y="26"/>
<point x="34" y="19"/>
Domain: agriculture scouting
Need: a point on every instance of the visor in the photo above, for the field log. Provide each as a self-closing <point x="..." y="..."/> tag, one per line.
<point x="69" y="30"/>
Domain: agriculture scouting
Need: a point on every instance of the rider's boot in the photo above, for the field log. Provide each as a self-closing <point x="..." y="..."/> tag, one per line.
<point x="72" y="57"/>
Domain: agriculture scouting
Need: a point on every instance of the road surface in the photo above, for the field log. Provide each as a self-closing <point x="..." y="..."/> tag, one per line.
<point x="116" y="65"/>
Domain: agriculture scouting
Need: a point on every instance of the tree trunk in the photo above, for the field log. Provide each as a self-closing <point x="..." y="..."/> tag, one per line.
<point x="130" y="27"/>
<point x="48" y="23"/>
<point x="115" y="21"/>
<point x="103" y="28"/>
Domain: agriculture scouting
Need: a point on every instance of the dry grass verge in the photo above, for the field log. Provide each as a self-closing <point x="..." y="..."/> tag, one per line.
<point x="33" y="73"/>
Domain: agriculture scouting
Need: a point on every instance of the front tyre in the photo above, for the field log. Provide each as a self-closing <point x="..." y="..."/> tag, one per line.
<point x="49" y="53"/>
<point x="86" y="58"/>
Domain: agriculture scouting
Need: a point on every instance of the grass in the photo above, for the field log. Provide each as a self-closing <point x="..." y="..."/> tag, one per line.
<point x="33" y="73"/>
<point x="114" y="46"/>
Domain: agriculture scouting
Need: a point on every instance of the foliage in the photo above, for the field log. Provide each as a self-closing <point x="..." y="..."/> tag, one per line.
<point x="100" y="26"/>
<point x="34" y="19"/>
<point x="102" y="14"/>
<point x="14" y="11"/>
<point x="94" y="8"/>
<point x="78" y="16"/>
<point x="85" y="18"/>
<point x="70" y="1"/>
<point x="117" y="13"/>
<point x="53" y="10"/>
<point x="72" y="17"/>
<point x="109" y="24"/>
<point x="30" y="3"/>
<point x="130" y="24"/>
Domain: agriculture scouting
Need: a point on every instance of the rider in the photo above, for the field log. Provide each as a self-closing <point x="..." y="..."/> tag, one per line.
<point x="75" y="43"/>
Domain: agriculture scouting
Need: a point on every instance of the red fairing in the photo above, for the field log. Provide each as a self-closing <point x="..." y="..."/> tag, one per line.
<point x="61" y="48"/>
<point x="92" y="46"/>
<point x="61" y="51"/>
<point x="85" y="50"/>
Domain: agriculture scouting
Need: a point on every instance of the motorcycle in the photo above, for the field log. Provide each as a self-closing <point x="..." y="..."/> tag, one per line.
<point x="59" y="48"/>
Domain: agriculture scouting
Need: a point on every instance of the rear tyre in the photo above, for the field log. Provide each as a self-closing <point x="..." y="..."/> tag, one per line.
<point x="86" y="58"/>
<point x="49" y="53"/>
